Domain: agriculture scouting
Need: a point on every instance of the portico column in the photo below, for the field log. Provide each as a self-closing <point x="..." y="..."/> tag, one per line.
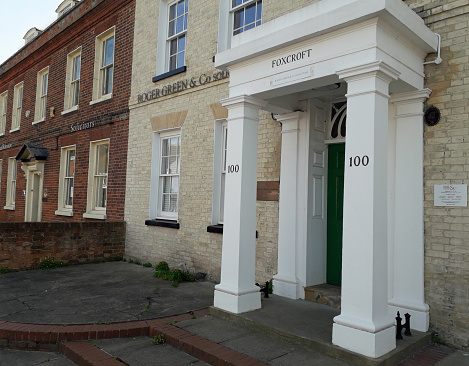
<point x="364" y="325"/>
<point x="286" y="282"/>
<point x="237" y="291"/>
<point x="408" y="266"/>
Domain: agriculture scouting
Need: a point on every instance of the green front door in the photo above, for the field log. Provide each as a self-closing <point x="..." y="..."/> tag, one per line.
<point x="335" y="205"/>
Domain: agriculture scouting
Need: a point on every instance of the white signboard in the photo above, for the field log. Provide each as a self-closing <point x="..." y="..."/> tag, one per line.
<point x="290" y="76"/>
<point x="450" y="195"/>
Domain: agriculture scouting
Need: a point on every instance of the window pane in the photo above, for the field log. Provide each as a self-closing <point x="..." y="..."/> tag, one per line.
<point x="101" y="190"/>
<point x="175" y="185"/>
<point x="172" y="12"/>
<point x="101" y="156"/>
<point x="180" y="24"/>
<point x="173" y="47"/>
<point x="75" y="92"/>
<point x="110" y="76"/>
<point x="164" y="165"/>
<point x="181" y="44"/>
<point x="250" y="16"/>
<point x="238" y="19"/>
<point x="108" y="51"/>
<point x="173" y="203"/>
<point x="70" y="163"/>
<point x="76" y="68"/>
<point x="166" y="184"/>
<point x="236" y="3"/>
<point x="180" y="59"/>
<point x="180" y="9"/>
<point x="68" y="192"/>
<point x="45" y="81"/>
<point x="172" y="28"/>
<point x="185" y="22"/>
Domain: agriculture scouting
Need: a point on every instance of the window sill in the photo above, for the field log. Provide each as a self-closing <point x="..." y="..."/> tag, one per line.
<point x="64" y="212"/>
<point x="39" y="121"/>
<point x="16" y="129"/>
<point x="218" y="229"/>
<point x="73" y="109"/>
<point x="172" y="224"/>
<point x="9" y="207"/>
<point x="169" y="73"/>
<point x="97" y="215"/>
<point x="102" y="99"/>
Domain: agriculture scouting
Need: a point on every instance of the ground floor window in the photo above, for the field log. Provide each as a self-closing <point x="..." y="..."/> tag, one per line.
<point x="66" y="181"/>
<point x="11" y="184"/>
<point x="165" y="177"/>
<point x="97" y="180"/>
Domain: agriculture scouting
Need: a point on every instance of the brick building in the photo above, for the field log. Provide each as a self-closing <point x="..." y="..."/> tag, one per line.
<point x="64" y="116"/>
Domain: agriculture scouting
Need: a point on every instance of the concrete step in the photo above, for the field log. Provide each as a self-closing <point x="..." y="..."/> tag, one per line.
<point x="324" y="294"/>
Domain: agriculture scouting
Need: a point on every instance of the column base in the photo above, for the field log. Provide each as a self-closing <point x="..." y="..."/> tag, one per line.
<point x="237" y="303"/>
<point x="286" y="288"/>
<point x="419" y="313"/>
<point x="365" y="343"/>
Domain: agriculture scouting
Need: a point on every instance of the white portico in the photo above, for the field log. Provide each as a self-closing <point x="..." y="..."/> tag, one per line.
<point x="373" y="52"/>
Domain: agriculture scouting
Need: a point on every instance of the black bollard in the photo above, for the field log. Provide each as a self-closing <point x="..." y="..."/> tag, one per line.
<point x="407" y="325"/>
<point x="399" y="326"/>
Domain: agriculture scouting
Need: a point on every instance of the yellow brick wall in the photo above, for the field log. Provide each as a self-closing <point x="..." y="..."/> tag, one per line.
<point x="446" y="160"/>
<point x="190" y="246"/>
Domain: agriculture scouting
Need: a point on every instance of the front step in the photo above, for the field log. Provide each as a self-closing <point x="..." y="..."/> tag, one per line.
<point x="324" y="294"/>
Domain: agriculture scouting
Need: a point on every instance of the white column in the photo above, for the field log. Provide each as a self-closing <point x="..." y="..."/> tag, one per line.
<point x="408" y="267"/>
<point x="237" y="291"/>
<point x="286" y="282"/>
<point x="364" y="325"/>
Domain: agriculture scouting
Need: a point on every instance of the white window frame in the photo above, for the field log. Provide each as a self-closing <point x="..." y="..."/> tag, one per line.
<point x="11" y="184"/>
<point x="92" y="210"/>
<point x="72" y="82"/>
<point x="1" y="171"/>
<point x="219" y="170"/>
<point x="101" y="70"/>
<point x="41" y="95"/>
<point x="156" y="192"/>
<point x="163" y="46"/>
<point x="238" y="8"/>
<point x="64" y="209"/>
<point x="17" y="107"/>
<point x="3" y="112"/>
<point x="226" y="22"/>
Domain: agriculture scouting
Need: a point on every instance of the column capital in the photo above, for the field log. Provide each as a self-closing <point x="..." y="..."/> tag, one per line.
<point x="376" y="68"/>
<point x="411" y="97"/>
<point x="240" y="100"/>
<point x="410" y="104"/>
<point x="289" y="121"/>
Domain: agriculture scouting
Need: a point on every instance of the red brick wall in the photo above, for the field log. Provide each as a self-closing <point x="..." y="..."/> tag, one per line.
<point x="24" y="244"/>
<point x="77" y="28"/>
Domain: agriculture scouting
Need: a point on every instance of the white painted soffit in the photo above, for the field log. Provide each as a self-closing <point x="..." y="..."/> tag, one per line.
<point x="323" y="17"/>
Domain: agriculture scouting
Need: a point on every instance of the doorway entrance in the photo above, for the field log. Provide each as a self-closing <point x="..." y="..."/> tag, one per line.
<point x="335" y="205"/>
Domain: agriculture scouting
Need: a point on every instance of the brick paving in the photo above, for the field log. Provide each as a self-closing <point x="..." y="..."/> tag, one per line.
<point x="428" y="356"/>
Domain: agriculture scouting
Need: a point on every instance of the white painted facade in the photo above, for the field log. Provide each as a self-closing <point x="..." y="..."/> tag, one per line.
<point x="375" y="49"/>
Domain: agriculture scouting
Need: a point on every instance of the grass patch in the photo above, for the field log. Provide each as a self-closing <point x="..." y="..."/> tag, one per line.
<point x="4" y="270"/>
<point x="48" y="263"/>
<point x="176" y="276"/>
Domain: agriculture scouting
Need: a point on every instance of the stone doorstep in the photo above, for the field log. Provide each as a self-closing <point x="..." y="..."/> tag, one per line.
<point x="324" y="294"/>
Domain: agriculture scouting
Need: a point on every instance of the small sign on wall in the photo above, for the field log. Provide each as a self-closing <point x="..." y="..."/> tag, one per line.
<point x="450" y="195"/>
<point x="267" y="191"/>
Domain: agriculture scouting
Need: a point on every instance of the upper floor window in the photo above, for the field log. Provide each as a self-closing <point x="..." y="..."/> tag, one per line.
<point x="3" y="112"/>
<point x="17" y="107"/>
<point x="41" y="95"/>
<point x="247" y="14"/>
<point x="72" y="81"/>
<point x="104" y="66"/>
<point x="177" y="29"/>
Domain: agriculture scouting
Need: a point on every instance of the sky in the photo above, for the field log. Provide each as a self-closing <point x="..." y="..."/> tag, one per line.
<point x="19" y="16"/>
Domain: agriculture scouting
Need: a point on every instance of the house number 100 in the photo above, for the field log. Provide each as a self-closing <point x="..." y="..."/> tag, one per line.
<point x="357" y="160"/>
<point x="233" y="168"/>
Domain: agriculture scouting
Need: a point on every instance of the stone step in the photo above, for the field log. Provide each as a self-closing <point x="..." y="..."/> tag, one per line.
<point x="324" y="294"/>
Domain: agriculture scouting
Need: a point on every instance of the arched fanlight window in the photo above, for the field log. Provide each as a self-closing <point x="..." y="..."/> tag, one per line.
<point x="338" y="120"/>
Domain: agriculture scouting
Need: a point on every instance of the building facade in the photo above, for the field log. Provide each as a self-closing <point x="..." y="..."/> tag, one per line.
<point x="286" y="140"/>
<point x="64" y="116"/>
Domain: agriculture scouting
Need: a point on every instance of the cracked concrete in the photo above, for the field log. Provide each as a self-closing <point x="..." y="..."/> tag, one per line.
<point x="87" y="294"/>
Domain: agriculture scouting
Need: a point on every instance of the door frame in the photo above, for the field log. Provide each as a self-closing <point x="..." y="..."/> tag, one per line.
<point x="31" y="169"/>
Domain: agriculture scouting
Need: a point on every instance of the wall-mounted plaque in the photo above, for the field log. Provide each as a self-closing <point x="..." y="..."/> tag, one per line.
<point x="450" y="195"/>
<point x="267" y="191"/>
